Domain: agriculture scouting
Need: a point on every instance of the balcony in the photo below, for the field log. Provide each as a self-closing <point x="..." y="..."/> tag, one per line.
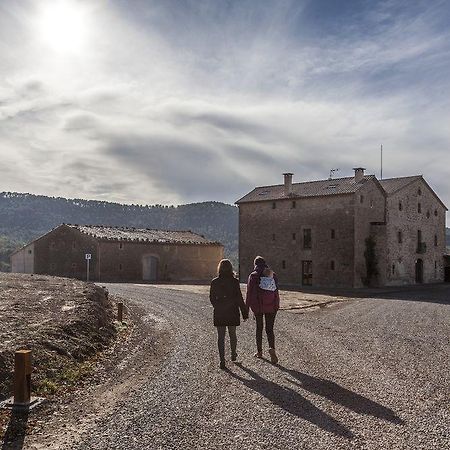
<point x="421" y="247"/>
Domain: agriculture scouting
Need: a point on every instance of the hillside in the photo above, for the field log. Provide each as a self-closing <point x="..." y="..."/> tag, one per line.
<point x="23" y="217"/>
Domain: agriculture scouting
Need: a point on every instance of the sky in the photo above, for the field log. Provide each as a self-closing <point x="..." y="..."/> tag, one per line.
<point x="179" y="101"/>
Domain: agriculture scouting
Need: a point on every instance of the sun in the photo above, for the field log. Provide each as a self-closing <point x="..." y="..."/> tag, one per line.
<point x="62" y="26"/>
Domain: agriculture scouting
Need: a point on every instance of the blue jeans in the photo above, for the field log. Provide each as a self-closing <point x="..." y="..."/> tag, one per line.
<point x="221" y="331"/>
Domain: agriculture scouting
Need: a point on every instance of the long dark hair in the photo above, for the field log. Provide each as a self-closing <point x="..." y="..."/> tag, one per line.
<point x="225" y="268"/>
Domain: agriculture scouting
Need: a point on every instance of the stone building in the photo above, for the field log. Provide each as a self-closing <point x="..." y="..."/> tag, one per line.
<point x="345" y="232"/>
<point x="120" y="254"/>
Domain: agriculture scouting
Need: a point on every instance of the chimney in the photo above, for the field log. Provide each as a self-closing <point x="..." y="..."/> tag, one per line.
<point x="359" y="173"/>
<point x="288" y="183"/>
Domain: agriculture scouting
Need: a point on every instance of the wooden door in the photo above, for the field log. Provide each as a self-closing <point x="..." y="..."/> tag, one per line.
<point x="150" y="268"/>
<point x="307" y="273"/>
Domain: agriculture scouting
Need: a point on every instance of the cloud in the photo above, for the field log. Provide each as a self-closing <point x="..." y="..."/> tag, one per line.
<point x="180" y="101"/>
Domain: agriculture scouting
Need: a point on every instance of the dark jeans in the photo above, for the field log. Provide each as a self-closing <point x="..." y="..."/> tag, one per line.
<point x="221" y="340"/>
<point x="270" y="321"/>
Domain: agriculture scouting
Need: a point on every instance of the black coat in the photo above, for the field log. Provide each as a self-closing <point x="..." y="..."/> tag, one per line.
<point x="226" y="297"/>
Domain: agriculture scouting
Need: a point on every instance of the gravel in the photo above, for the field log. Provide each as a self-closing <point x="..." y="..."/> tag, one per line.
<point x="365" y="374"/>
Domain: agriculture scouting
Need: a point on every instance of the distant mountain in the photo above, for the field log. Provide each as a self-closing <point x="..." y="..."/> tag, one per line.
<point x="24" y="217"/>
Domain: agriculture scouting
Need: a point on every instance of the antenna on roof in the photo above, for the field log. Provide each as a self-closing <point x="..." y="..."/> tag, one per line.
<point x="381" y="175"/>
<point x="332" y="171"/>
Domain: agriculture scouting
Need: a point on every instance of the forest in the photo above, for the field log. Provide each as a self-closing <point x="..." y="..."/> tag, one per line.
<point x="24" y="217"/>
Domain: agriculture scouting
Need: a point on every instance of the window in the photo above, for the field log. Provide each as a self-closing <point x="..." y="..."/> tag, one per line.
<point x="30" y="252"/>
<point x="294" y="236"/>
<point x="435" y="240"/>
<point x="419" y="191"/>
<point x="400" y="206"/>
<point x="435" y="212"/>
<point x="361" y="199"/>
<point x="419" y="237"/>
<point x="52" y="245"/>
<point x="371" y="203"/>
<point x="332" y="265"/>
<point x="273" y="237"/>
<point x="435" y="269"/>
<point x="283" y="264"/>
<point x="393" y="269"/>
<point x="419" y="208"/>
<point x="74" y="266"/>
<point x="333" y="233"/>
<point x="294" y="204"/>
<point x="307" y="238"/>
<point x="120" y="267"/>
<point x="74" y="245"/>
<point x="274" y="205"/>
<point x="428" y="214"/>
<point x="120" y="245"/>
<point x="400" y="237"/>
<point x="52" y="267"/>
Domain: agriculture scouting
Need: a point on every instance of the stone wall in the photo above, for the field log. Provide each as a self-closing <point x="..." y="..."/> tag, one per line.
<point x="62" y="253"/>
<point x="401" y="257"/>
<point x="370" y="206"/>
<point x="269" y="232"/>
<point x="23" y="260"/>
<point x="175" y="262"/>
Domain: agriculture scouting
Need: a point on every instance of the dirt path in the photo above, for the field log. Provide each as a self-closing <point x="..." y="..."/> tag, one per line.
<point x="366" y="374"/>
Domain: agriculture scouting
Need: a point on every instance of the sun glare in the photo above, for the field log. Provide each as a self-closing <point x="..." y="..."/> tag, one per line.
<point x="63" y="27"/>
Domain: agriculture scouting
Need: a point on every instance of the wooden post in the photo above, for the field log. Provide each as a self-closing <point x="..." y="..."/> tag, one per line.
<point x="22" y="378"/>
<point x="120" y="312"/>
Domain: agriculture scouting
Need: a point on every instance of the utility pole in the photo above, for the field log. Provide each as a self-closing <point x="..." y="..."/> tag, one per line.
<point x="381" y="162"/>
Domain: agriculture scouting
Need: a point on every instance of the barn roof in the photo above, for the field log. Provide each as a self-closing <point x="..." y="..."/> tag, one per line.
<point x="142" y="235"/>
<point x="336" y="186"/>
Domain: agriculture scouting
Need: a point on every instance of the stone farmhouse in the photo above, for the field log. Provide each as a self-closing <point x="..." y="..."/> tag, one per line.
<point x="345" y="232"/>
<point x="119" y="254"/>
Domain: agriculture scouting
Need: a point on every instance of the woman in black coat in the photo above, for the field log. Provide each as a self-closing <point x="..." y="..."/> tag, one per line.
<point x="226" y="298"/>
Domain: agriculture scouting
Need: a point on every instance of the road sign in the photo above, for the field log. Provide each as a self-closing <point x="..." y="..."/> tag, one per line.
<point x="88" y="257"/>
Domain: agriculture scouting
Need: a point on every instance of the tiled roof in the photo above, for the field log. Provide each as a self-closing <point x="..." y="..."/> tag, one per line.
<point x="142" y="235"/>
<point x="392" y="185"/>
<point x="319" y="188"/>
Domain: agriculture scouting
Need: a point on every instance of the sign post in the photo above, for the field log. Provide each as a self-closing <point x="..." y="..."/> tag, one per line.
<point x="88" y="257"/>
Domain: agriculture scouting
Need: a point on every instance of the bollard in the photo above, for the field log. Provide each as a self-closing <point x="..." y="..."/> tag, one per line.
<point x="120" y="312"/>
<point x="22" y="378"/>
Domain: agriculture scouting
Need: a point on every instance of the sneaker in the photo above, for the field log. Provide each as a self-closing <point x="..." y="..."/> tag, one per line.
<point x="273" y="356"/>
<point x="222" y="365"/>
<point x="234" y="357"/>
<point x="258" y="355"/>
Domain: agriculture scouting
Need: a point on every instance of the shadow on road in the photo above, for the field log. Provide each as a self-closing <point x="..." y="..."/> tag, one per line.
<point x="430" y="293"/>
<point x="15" y="433"/>
<point x="338" y="394"/>
<point x="292" y="402"/>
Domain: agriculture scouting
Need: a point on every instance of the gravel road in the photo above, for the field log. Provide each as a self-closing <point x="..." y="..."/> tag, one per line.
<point x="366" y="374"/>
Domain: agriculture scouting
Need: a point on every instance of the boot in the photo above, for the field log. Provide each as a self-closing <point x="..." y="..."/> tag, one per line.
<point x="258" y="355"/>
<point x="273" y="356"/>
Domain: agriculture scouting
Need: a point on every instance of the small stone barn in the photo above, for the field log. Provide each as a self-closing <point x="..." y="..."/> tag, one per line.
<point x="119" y="254"/>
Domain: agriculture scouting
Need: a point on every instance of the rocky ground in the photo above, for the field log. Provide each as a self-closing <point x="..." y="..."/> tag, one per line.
<point x="64" y="322"/>
<point x="368" y="373"/>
